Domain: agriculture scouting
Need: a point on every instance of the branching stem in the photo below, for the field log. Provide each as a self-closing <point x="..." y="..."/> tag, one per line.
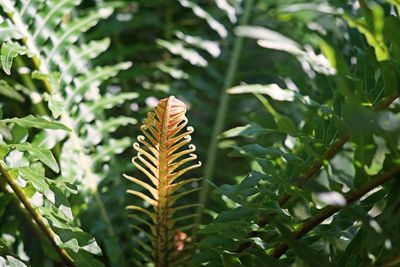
<point x="315" y="168"/>
<point x="328" y="211"/>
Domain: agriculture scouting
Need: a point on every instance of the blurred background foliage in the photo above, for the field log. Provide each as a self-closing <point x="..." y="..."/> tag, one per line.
<point x="296" y="117"/>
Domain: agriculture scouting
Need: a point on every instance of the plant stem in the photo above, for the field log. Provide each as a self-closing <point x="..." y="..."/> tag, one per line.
<point x="328" y="211"/>
<point x="29" y="42"/>
<point x="47" y="231"/>
<point x="333" y="150"/>
<point x="315" y="168"/>
<point x="393" y="261"/>
<point x="16" y="205"/>
<point x="221" y="112"/>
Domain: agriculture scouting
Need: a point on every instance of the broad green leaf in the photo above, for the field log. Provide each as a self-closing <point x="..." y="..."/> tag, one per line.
<point x="12" y="262"/>
<point x="396" y="3"/>
<point x="272" y="90"/>
<point x="311" y="257"/>
<point x="10" y="50"/>
<point x="107" y="102"/>
<point x="3" y="151"/>
<point x="274" y="40"/>
<point x="72" y="30"/>
<point x="7" y="90"/>
<point x="38" y="181"/>
<point x="94" y="78"/>
<point x="49" y="138"/>
<point x="87" y="242"/>
<point x="42" y="154"/>
<point x="231" y="261"/>
<point x="36" y="122"/>
<point x="201" y="13"/>
<point x="84" y="52"/>
<point x="257" y="151"/>
<point x="270" y="39"/>
<point x="178" y="48"/>
<point x="56" y="104"/>
<point x="374" y="36"/>
<point x="210" y="46"/>
<point x="248" y="131"/>
<point x="115" y="146"/>
<point x="112" y="124"/>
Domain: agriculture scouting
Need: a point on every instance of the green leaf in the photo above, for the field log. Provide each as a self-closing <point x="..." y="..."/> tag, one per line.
<point x="115" y="146"/>
<point x="76" y="27"/>
<point x="3" y="151"/>
<point x="108" y="102"/>
<point x="248" y="130"/>
<point x="42" y="154"/>
<point x="201" y="13"/>
<point x="272" y="90"/>
<point x="38" y="182"/>
<point x="231" y="261"/>
<point x="52" y="78"/>
<point x="36" y="122"/>
<point x="10" y="50"/>
<point x="96" y="76"/>
<point x="311" y="257"/>
<point x="396" y="3"/>
<point x="11" y="262"/>
<point x="112" y="124"/>
<point x="7" y="90"/>
<point x="274" y="40"/>
<point x="374" y="36"/>
<point x="56" y="104"/>
<point x="257" y="151"/>
<point x="48" y="138"/>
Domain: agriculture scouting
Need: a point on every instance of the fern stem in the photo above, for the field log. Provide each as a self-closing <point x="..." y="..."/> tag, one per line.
<point x="29" y="41"/>
<point x="16" y="205"/>
<point x="162" y="244"/>
<point x="47" y="231"/>
<point x="328" y="211"/>
<point x="221" y="112"/>
<point x="91" y="181"/>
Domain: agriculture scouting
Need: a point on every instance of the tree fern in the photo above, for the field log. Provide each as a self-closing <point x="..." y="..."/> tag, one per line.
<point x="163" y="160"/>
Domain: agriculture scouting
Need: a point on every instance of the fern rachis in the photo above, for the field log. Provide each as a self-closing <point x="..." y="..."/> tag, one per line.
<point x="163" y="160"/>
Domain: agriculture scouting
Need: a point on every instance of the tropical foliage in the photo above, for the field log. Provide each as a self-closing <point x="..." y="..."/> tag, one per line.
<point x="296" y="111"/>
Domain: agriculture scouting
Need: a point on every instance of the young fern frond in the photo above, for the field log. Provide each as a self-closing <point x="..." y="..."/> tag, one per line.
<point x="163" y="159"/>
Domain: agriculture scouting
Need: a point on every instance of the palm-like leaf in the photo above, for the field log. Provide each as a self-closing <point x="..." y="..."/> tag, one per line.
<point x="164" y="160"/>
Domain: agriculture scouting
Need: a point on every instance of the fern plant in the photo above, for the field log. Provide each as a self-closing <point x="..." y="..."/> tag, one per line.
<point x="58" y="70"/>
<point x="163" y="161"/>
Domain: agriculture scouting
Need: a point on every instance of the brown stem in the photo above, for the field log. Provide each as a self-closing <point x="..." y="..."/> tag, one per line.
<point x="315" y="168"/>
<point x="332" y="151"/>
<point x="392" y="261"/>
<point x="50" y="235"/>
<point x="328" y="211"/>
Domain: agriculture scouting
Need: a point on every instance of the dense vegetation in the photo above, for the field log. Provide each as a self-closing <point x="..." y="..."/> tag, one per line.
<point x="296" y="119"/>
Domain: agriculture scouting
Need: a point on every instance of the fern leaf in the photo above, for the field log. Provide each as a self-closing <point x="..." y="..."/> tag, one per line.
<point x="163" y="159"/>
